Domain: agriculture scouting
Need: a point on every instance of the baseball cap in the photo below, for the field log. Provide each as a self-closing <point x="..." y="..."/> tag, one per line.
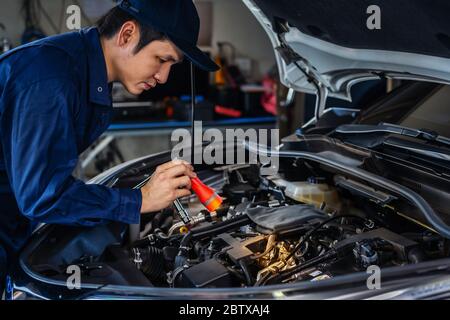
<point x="178" y="20"/>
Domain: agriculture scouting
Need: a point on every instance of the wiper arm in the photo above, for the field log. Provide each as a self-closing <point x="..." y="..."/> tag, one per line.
<point x="423" y="134"/>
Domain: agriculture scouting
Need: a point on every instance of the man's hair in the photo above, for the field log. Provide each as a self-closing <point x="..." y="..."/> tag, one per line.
<point x="111" y="23"/>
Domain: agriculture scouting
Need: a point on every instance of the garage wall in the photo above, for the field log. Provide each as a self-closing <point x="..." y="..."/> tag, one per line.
<point x="232" y="23"/>
<point x="12" y="17"/>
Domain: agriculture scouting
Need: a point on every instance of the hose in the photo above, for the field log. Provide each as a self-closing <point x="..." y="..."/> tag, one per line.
<point x="181" y="258"/>
<point x="246" y="272"/>
<point x="176" y="226"/>
<point x="160" y="234"/>
<point x="148" y="228"/>
<point x="151" y="262"/>
<point x="200" y="233"/>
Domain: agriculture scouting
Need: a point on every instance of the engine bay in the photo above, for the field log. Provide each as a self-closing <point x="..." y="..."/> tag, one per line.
<point x="305" y="224"/>
<point x="271" y="230"/>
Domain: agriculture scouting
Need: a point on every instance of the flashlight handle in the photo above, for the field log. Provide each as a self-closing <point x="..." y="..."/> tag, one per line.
<point x="182" y="213"/>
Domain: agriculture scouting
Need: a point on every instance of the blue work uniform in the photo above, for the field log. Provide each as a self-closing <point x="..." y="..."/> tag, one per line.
<point x="55" y="101"/>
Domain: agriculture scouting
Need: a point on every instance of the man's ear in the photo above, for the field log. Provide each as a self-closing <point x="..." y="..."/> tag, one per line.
<point x="128" y="35"/>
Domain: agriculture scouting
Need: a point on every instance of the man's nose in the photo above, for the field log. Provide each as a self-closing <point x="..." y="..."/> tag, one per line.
<point x="163" y="75"/>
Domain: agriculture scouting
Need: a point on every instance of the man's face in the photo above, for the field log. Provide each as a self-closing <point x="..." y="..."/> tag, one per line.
<point x="151" y="66"/>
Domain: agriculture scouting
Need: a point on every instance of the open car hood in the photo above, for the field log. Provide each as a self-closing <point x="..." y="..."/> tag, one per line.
<point x="326" y="45"/>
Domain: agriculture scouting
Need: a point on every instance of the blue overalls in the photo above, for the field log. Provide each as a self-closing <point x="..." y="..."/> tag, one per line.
<point x="55" y="101"/>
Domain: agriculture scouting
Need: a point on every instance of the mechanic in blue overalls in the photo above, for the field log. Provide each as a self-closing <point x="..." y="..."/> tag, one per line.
<point x="55" y="101"/>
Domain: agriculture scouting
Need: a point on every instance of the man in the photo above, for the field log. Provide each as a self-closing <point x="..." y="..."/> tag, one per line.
<point x="55" y="100"/>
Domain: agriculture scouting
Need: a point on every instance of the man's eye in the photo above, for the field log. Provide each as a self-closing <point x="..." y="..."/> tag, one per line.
<point x="162" y="60"/>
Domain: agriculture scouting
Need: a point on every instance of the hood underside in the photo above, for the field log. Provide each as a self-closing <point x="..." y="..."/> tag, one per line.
<point x="328" y="43"/>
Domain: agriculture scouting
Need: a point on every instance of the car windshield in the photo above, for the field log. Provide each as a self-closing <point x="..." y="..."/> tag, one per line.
<point x="432" y="113"/>
<point x="414" y="105"/>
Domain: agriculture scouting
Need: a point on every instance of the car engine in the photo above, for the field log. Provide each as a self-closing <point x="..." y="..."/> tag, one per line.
<point x="307" y="223"/>
<point x="274" y="230"/>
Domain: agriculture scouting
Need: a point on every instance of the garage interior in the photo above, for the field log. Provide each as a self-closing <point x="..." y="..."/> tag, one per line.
<point x="362" y="177"/>
<point x="239" y="97"/>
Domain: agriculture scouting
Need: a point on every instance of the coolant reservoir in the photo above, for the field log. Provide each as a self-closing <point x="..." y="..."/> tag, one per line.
<point x="315" y="192"/>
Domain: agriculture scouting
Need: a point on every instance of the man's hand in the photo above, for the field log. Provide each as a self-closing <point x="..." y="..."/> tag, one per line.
<point x="169" y="182"/>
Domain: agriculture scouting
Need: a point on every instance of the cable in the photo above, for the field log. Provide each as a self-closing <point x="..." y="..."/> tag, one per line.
<point x="312" y="231"/>
<point x="326" y="256"/>
<point x="270" y="276"/>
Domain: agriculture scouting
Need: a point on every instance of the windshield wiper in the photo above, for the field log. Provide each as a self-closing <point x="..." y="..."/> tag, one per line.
<point x="388" y="128"/>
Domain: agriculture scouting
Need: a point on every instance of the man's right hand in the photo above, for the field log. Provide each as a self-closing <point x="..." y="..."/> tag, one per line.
<point x="169" y="182"/>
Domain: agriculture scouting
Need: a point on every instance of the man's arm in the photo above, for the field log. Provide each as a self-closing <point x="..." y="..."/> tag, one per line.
<point x="39" y="145"/>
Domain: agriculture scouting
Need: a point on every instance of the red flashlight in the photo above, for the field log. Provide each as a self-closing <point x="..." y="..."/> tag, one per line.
<point x="207" y="196"/>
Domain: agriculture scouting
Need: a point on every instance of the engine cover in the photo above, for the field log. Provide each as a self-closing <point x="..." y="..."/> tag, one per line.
<point x="275" y="220"/>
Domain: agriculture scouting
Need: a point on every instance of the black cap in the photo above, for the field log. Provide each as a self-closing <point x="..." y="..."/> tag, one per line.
<point x="178" y="20"/>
